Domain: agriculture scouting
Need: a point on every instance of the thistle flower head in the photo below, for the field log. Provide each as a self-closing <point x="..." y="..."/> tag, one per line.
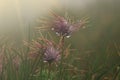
<point x="63" y="27"/>
<point x="47" y="49"/>
<point x="51" y="54"/>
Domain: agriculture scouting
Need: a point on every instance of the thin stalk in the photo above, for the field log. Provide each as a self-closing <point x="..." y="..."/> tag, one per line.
<point x="49" y="71"/>
<point x="116" y="74"/>
<point x="41" y="69"/>
<point x="61" y="44"/>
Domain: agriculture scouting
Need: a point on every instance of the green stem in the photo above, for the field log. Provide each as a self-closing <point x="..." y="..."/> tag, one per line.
<point x="49" y="71"/>
<point x="116" y="74"/>
<point x="61" y="44"/>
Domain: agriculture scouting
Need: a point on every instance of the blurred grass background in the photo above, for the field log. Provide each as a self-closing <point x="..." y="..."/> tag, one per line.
<point x="96" y="45"/>
<point x="103" y="27"/>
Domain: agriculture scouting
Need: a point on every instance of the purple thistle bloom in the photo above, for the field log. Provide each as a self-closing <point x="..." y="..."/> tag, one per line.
<point x="63" y="28"/>
<point x="51" y="54"/>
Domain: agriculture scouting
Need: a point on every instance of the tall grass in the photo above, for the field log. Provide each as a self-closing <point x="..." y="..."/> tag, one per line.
<point x="19" y="64"/>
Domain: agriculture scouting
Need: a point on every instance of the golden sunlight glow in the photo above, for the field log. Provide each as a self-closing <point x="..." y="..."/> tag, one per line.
<point x="17" y="12"/>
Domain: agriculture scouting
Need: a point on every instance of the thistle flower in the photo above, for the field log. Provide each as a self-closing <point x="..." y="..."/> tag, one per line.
<point x="47" y="48"/>
<point x="62" y="27"/>
<point x="51" y="54"/>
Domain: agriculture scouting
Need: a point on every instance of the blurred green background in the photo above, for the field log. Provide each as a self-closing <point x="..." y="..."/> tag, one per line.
<point x="98" y="44"/>
<point x="18" y="19"/>
<point x="16" y="16"/>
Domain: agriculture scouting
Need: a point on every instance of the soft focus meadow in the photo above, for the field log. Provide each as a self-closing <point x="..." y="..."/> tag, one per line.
<point x="68" y="42"/>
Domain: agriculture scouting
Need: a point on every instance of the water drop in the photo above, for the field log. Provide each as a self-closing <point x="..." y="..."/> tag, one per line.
<point x="57" y="33"/>
<point x="44" y="61"/>
<point x="68" y="36"/>
<point x="52" y="28"/>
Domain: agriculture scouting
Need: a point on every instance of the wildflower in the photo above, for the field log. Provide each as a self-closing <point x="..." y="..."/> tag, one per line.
<point x="47" y="49"/>
<point x="51" y="54"/>
<point x="60" y="26"/>
<point x="64" y="28"/>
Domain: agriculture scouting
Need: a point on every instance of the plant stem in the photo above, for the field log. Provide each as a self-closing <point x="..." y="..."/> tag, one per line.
<point x="49" y="71"/>
<point x="61" y="42"/>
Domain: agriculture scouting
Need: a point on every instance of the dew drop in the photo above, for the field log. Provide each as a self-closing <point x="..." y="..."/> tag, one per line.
<point x="57" y="33"/>
<point x="44" y="61"/>
<point x="68" y="36"/>
<point x="52" y="28"/>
